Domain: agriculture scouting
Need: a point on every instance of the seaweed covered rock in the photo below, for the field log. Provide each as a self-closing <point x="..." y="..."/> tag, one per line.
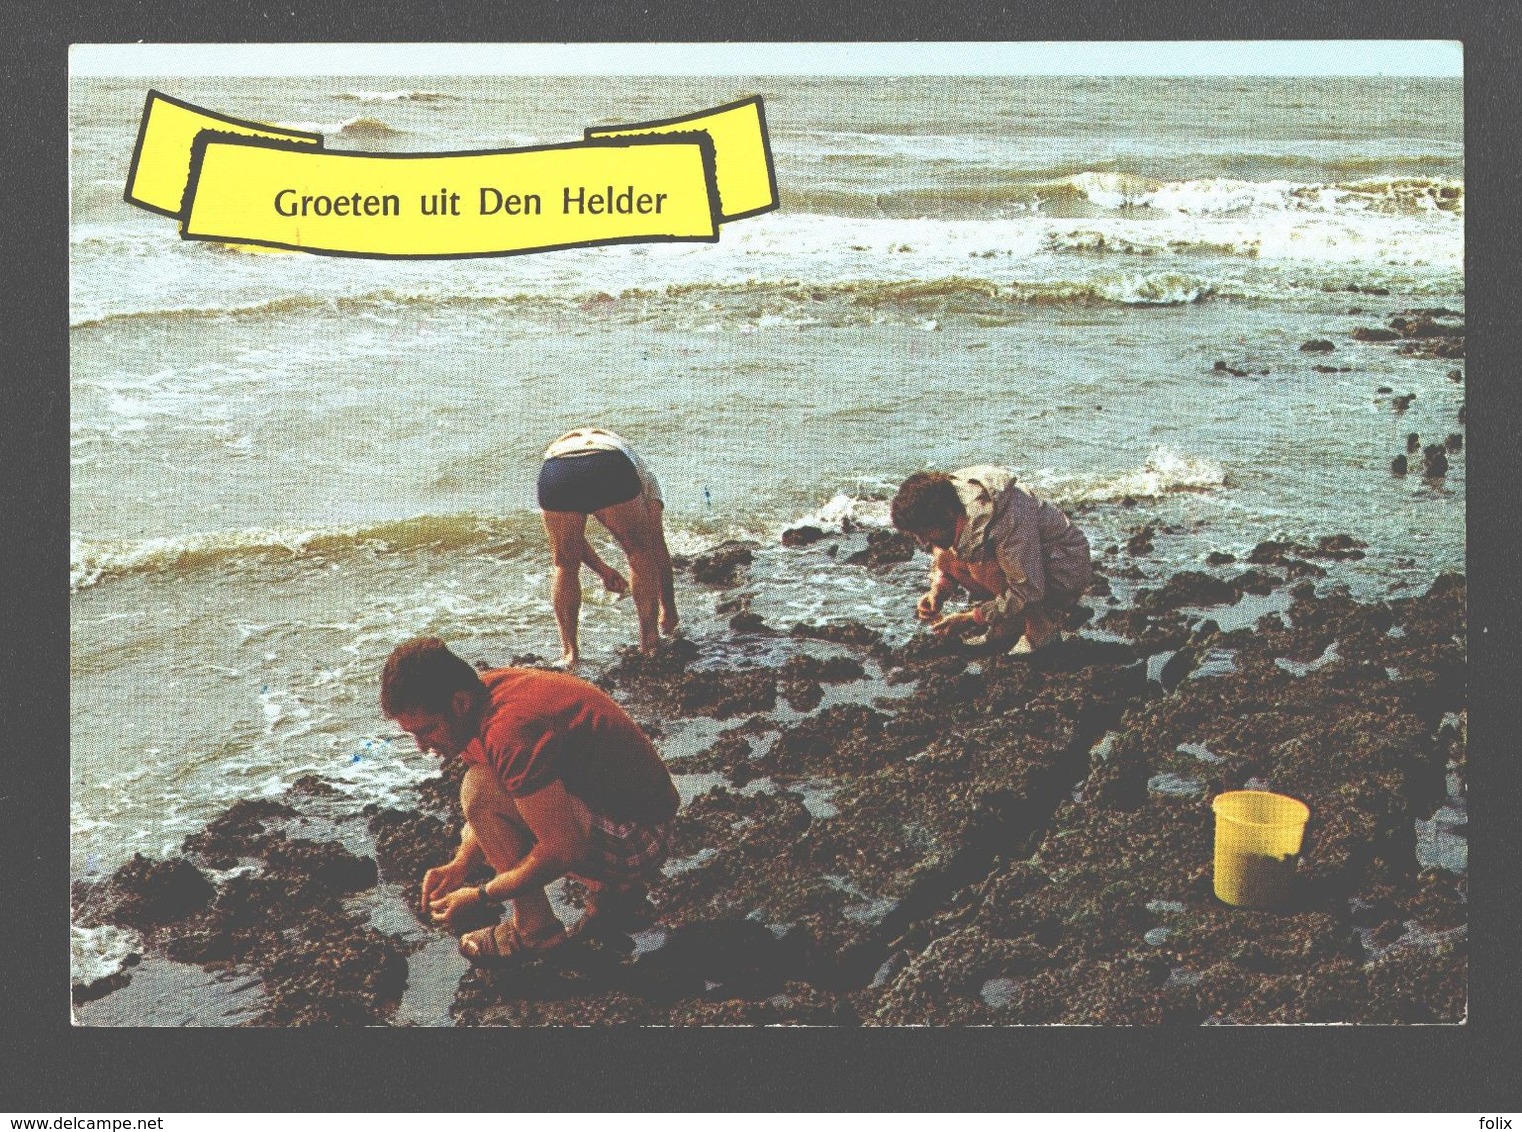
<point x="721" y="565"/>
<point x="145" y="893"/>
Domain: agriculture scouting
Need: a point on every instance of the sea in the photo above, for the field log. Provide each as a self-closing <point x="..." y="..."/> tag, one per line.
<point x="283" y="465"/>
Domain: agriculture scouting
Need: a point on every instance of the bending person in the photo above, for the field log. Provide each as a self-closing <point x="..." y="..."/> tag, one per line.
<point x="592" y="471"/>
<point x="1023" y="561"/>
<point x="559" y="781"/>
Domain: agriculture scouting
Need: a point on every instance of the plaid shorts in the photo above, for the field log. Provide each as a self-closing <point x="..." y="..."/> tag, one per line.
<point x="629" y="851"/>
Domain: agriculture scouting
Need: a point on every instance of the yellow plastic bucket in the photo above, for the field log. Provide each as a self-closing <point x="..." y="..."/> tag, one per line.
<point x="1257" y="837"/>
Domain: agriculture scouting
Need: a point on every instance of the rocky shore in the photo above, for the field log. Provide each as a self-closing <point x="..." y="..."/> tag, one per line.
<point x="923" y="834"/>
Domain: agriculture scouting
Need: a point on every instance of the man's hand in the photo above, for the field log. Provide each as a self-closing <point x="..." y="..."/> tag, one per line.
<point x="957" y="623"/>
<point x="445" y="878"/>
<point x="929" y="607"/>
<point x="450" y="905"/>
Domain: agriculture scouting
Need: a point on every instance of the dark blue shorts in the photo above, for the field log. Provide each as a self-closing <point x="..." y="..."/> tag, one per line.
<point x="587" y="483"/>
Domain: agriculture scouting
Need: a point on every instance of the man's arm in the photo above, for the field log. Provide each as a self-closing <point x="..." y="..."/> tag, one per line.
<point x="1017" y="550"/>
<point x="942" y="586"/>
<point x="448" y="877"/>
<point x="559" y="842"/>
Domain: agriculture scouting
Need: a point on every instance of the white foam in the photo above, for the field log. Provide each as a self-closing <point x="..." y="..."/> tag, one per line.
<point x="1164" y="471"/>
<point x="844" y="508"/>
<point x="97" y="952"/>
<point x="394" y="96"/>
<point x="1114" y="190"/>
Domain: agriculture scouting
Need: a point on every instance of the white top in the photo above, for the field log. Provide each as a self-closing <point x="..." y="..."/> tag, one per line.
<point x="581" y="441"/>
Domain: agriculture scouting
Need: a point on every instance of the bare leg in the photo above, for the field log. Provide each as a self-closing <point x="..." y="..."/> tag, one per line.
<point x="505" y="840"/>
<point x="568" y="549"/>
<point x="669" y="619"/>
<point x="631" y="524"/>
<point x="612" y="580"/>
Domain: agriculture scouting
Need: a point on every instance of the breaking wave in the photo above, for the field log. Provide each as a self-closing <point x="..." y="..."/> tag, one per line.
<point x="358" y="127"/>
<point x="91" y="562"/>
<point x="395" y="96"/>
<point x="1163" y="472"/>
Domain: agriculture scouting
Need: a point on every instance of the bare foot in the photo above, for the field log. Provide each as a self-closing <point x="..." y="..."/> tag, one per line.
<point x="669" y="622"/>
<point x="615" y="583"/>
<point x="568" y="661"/>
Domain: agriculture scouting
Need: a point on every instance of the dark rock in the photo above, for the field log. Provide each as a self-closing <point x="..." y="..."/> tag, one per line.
<point x="1384" y="389"/>
<point x="1414" y="327"/>
<point x="352" y="979"/>
<point x="1140" y="543"/>
<point x="841" y="632"/>
<point x="830" y="670"/>
<point x="1403" y="402"/>
<point x="1374" y="334"/>
<point x="1317" y="346"/>
<point x="312" y="786"/>
<point x="1398" y="466"/>
<point x="1188" y="587"/>
<point x="752" y="624"/>
<point x="1413" y="442"/>
<point x="1434" y="348"/>
<point x="327" y="864"/>
<point x="801" y="536"/>
<point x="884" y="548"/>
<point x="240" y="831"/>
<point x="670" y="658"/>
<point x="1271" y="552"/>
<point x="1256" y="582"/>
<point x="1219" y="558"/>
<point x="722" y="694"/>
<point x="99" y="988"/>
<point x="1222" y="367"/>
<point x="1454" y="441"/>
<point x="1455" y="375"/>
<point x="408" y="844"/>
<point x="1434" y="462"/>
<point x="146" y="893"/>
<point x="1338" y="547"/>
<point x="719" y="566"/>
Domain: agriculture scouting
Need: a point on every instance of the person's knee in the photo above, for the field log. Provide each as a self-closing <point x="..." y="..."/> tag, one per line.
<point x="566" y="555"/>
<point x="481" y="796"/>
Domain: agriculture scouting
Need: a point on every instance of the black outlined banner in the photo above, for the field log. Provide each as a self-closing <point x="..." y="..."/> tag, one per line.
<point x="241" y="182"/>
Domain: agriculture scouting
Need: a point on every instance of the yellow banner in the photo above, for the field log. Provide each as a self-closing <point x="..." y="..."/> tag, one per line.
<point x="742" y="154"/>
<point x="242" y="183"/>
<point x="161" y="161"/>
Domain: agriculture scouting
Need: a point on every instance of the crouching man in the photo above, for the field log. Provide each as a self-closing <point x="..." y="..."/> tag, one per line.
<point x="559" y="782"/>
<point x="1023" y="561"/>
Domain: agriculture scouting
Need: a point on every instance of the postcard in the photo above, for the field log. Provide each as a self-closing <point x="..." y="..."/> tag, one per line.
<point x="768" y="534"/>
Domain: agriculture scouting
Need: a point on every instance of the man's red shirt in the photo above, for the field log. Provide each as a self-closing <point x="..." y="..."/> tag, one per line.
<point x="539" y="727"/>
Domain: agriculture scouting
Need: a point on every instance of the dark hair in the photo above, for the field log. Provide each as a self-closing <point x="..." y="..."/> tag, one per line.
<point x="423" y="675"/>
<point x="926" y="501"/>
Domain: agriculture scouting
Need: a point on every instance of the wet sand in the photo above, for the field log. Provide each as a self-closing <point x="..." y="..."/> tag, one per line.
<point x="924" y="834"/>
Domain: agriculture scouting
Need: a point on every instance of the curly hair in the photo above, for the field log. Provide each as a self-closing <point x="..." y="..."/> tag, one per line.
<point x="926" y="501"/>
<point x="423" y="675"/>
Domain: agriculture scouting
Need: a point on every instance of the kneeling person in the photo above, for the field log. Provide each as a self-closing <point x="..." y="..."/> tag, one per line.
<point x="559" y="782"/>
<point x="1023" y="561"/>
